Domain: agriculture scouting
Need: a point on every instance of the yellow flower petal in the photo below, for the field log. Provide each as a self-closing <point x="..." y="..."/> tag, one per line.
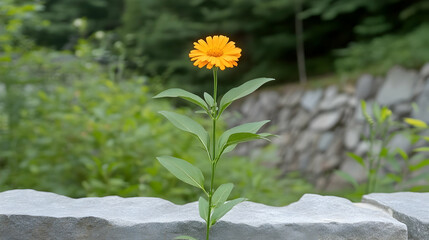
<point x="215" y="51"/>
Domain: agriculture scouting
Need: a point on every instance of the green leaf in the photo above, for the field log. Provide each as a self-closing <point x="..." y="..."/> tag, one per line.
<point x="422" y="149"/>
<point x="229" y="148"/>
<point x="357" y="158"/>
<point x="416" y="122"/>
<point x="347" y="177"/>
<point x="203" y="207"/>
<point x="221" y="194"/>
<point x="394" y="177"/>
<point x="188" y="125"/>
<point x="183" y="170"/>
<point x="241" y="91"/>
<point x="419" y="165"/>
<point x="185" y="238"/>
<point x="365" y="113"/>
<point x="384" y="152"/>
<point x="177" y="92"/>
<point x="209" y="99"/>
<point x="403" y="154"/>
<point x="223" y="209"/>
<point x="245" y="137"/>
<point x="244" y="128"/>
<point x="376" y="112"/>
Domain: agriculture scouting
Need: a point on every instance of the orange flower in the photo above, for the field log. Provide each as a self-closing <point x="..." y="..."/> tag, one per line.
<point x="215" y="51"/>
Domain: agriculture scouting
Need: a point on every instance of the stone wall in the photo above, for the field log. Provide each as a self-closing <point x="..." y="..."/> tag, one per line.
<point x="317" y="127"/>
<point x="29" y="214"/>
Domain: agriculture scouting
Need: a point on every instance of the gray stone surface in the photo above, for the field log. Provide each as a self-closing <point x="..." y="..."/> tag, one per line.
<point x="422" y="112"/>
<point x="325" y="121"/>
<point x="330" y="92"/>
<point x="365" y="87"/>
<point x="398" y="86"/>
<point x="301" y="119"/>
<point x="352" y="136"/>
<point x="28" y="214"/>
<point x="400" y="141"/>
<point x="290" y="99"/>
<point x="311" y="99"/>
<point x="334" y="102"/>
<point x="424" y="71"/>
<point x="325" y="141"/>
<point x="407" y="207"/>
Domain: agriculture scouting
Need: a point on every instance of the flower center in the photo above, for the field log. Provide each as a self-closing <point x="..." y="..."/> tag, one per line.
<point x="215" y="52"/>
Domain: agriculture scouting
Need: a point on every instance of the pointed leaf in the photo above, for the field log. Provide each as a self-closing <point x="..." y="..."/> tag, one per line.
<point x="183" y="170"/>
<point x="357" y="158"/>
<point x="347" y="177"/>
<point x="209" y="99"/>
<point x="245" y="137"/>
<point x="416" y="122"/>
<point x="177" y="92"/>
<point x="203" y="207"/>
<point x="422" y="149"/>
<point x="223" y="209"/>
<point x="241" y="91"/>
<point x="247" y="127"/>
<point x="403" y="154"/>
<point x="188" y="125"/>
<point x="419" y="165"/>
<point x="185" y="238"/>
<point x="229" y="148"/>
<point x="222" y="194"/>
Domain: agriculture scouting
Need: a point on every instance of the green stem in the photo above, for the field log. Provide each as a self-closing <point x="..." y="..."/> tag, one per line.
<point x="371" y="158"/>
<point x="213" y="162"/>
<point x="378" y="159"/>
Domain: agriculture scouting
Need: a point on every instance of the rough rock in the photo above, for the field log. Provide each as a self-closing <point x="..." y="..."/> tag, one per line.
<point x="325" y="141"/>
<point x="398" y="86"/>
<point x="283" y="119"/>
<point x="301" y="119"/>
<point x="365" y="87"/>
<point x="403" y="109"/>
<point x="408" y="207"/>
<point x="310" y="100"/>
<point x="28" y="214"/>
<point x="330" y="92"/>
<point x="269" y="100"/>
<point x="334" y="102"/>
<point x="290" y="99"/>
<point x="424" y="71"/>
<point x="352" y="136"/>
<point x="355" y="170"/>
<point x="422" y="112"/>
<point x="305" y="140"/>
<point x="400" y="141"/>
<point x="325" y="121"/>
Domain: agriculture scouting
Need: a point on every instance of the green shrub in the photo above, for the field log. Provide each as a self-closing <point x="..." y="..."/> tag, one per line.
<point x="97" y="137"/>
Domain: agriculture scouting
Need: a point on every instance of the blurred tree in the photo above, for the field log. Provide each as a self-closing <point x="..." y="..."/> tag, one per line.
<point x="158" y="34"/>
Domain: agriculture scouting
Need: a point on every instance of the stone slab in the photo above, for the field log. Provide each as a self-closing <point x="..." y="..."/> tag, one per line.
<point x="29" y="214"/>
<point x="398" y="86"/>
<point x="408" y="207"/>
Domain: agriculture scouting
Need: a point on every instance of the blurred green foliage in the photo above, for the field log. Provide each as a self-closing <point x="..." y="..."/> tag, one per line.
<point x="73" y="126"/>
<point x="157" y="35"/>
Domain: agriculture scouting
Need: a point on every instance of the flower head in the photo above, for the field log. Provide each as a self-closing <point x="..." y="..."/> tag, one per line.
<point x="215" y="51"/>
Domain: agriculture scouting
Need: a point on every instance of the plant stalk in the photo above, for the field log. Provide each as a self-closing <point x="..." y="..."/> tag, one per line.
<point x="213" y="162"/>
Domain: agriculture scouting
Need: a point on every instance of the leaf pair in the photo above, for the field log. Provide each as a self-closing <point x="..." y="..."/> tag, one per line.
<point x="219" y="205"/>
<point x="242" y="133"/>
<point x="232" y="95"/>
